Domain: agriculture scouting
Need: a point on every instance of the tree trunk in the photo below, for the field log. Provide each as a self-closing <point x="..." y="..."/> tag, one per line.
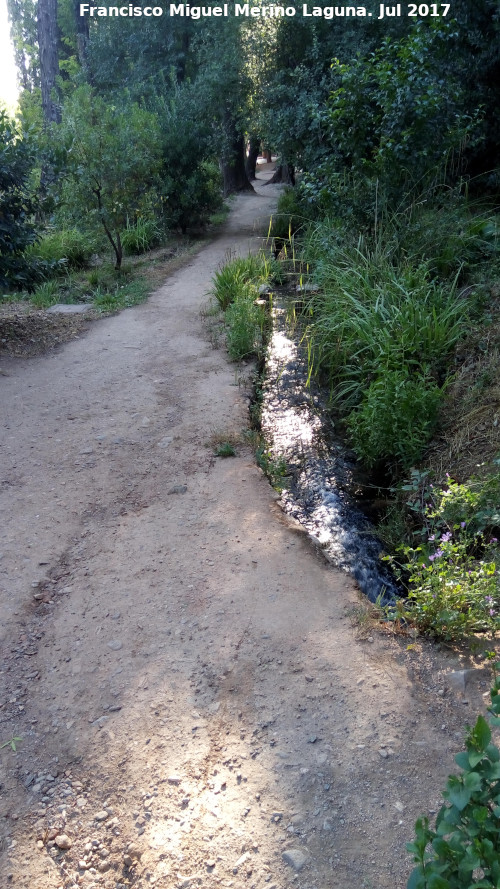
<point x="284" y="173"/>
<point x="82" y="34"/>
<point x="253" y="153"/>
<point x="233" y="167"/>
<point x="267" y="155"/>
<point x="48" y="40"/>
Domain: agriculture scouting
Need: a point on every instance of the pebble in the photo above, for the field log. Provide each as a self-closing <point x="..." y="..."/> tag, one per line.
<point x="296" y="858"/>
<point x="178" y="489"/>
<point x="115" y="644"/>
<point x="101" y="816"/>
<point x="63" y="841"/>
<point x="134" y="850"/>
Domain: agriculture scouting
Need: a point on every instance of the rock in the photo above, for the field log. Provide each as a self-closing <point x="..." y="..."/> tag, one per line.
<point x="460" y="679"/>
<point x="307" y="288"/>
<point x="174" y="779"/>
<point x="296" y="858"/>
<point x="241" y="861"/>
<point x="62" y="309"/>
<point x="134" y="850"/>
<point x="383" y="753"/>
<point x="115" y="644"/>
<point x="63" y="841"/>
<point x="103" y="866"/>
<point x="101" y="816"/>
<point x="178" y="489"/>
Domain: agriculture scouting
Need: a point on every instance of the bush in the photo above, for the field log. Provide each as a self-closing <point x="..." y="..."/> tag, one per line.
<point x="463" y="851"/>
<point x="454" y="587"/>
<point x="289" y="216"/>
<point x="396" y="418"/>
<point x="242" y="275"/>
<point x="16" y="207"/>
<point x="140" y="236"/>
<point x="62" y="249"/>
<point x="246" y="323"/>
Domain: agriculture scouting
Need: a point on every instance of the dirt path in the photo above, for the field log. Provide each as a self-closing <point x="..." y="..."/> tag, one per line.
<point x="190" y="694"/>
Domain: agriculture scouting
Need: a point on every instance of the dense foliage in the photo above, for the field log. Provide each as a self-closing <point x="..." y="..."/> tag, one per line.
<point x="16" y="207"/>
<point x="462" y="851"/>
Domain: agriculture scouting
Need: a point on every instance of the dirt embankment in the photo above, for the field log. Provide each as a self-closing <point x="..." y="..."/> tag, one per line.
<point x="194" y="703"/>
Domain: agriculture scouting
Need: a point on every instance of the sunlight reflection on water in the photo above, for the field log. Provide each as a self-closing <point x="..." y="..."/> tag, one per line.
<point x="320" y="475"/>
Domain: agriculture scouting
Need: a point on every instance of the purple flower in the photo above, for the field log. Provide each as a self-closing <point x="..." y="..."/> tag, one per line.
<point x="432" y="537"/>
<point x="489" y="600"/>
<point x="446" y="537"/>
<point x="492" y="612"/>
<point x="462" y="524"/>
<point x="494" y="540"/>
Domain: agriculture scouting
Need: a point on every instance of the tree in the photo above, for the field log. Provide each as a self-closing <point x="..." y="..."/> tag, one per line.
<point x="113" y="159"/>
<point x="16" y="230"/>
<point x="48" y="42"/>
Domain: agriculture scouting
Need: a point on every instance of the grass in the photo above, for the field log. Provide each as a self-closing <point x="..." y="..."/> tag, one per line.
<point x="67" y="248"/>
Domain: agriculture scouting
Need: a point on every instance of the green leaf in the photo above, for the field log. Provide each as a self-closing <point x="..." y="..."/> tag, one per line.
<point x="482" y="733"/>
<point x="437" y="882"/>
<point x="458" y="794"/>
<point x="417" y="880"/>
<point x="462" y="760"/>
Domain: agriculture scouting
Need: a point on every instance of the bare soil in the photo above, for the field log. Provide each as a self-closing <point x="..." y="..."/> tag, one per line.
<point x="193" y="691"/>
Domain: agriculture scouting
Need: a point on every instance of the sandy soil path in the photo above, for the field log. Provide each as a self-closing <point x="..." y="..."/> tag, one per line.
<point x="194" y="706"/>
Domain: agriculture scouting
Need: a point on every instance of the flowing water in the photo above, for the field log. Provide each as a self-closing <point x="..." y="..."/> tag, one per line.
<point x="320" y="475"/>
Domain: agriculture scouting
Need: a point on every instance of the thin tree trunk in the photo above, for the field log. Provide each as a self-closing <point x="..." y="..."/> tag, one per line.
<point x="253" y="153"/>
<point x="82" y="34"/>
<point x="116" y="243"/>
<point x="48" y="40"/>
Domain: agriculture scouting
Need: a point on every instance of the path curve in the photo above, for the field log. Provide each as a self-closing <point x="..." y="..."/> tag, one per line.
<point x="194" y="706"/>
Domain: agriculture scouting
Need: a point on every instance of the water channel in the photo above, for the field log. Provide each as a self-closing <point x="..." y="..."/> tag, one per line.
<point x="320" y="489"/>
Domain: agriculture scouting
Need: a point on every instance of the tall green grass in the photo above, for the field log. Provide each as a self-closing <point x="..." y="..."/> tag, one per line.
<point x="69" y="247"/>
<point x="379" y="337"/>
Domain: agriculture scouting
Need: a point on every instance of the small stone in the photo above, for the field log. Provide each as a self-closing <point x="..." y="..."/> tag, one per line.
<point x="134" y="850"/>
<point x="241" y="861"/>
<point x="62" y="309"/>
<point x="103" y="866"/>
<point x="178" y="489"/>
<point x="101" y="816"/>
<point x="383" y="753"/>
<point x="174" y="779"/>
<point x="115" y="644"/>
<point x="295" y="858"/>
<point x="63" y="841"/>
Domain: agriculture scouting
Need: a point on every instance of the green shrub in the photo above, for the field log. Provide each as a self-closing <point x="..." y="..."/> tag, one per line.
<point x="71" y="248"/>
<point x="46" y="294"/>
<point x="454" y="587"/>
<point x="246" y="323"/>
<point x="289" y="216"/>
<point x="463" y="852"/>
<point x="242" y="274"/>
<point x="140" y="236"/>
<point x="396" y="418"/>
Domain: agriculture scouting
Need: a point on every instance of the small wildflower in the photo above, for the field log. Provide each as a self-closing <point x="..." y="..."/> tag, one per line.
<point x="494" y="540"/>
<point x="462" y="524"/>
<point x="492" y="612"/>
<point x="432" y="537"/>
<point x="445" y="538"/>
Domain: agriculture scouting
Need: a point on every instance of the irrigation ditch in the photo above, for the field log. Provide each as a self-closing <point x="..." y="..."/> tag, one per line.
<point x="321" y="484"/>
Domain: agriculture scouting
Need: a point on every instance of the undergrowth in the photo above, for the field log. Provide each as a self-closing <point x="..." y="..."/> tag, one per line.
<point x="462" y="851"/>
